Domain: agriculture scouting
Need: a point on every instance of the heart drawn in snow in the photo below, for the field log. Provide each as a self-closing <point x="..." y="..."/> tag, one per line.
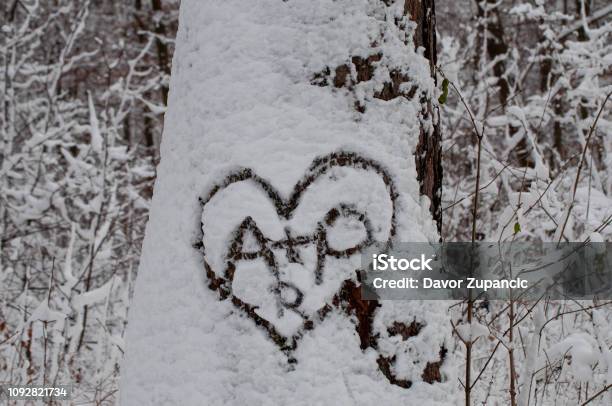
<point x="249" y="244"/>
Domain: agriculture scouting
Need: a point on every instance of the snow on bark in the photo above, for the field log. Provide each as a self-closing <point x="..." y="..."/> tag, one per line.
<point x="288" y="146"/>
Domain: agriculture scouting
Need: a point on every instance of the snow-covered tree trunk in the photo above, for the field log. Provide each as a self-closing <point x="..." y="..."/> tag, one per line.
<point x="287" y="150"/>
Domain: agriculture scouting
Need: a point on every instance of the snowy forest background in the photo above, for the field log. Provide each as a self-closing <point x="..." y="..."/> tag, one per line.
<point x="83" y="88"/>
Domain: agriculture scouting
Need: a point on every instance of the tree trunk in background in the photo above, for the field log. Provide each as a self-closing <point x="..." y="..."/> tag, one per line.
<point x="495" y="45"/>
<point x="428" y="155"/>
<point x="583" y="36"/>
<point x="162" y="48"/>
<point x="149" y="139"/>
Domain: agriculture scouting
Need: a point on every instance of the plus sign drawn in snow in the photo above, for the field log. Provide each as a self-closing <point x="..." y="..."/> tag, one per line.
<point x="278" y="265"/>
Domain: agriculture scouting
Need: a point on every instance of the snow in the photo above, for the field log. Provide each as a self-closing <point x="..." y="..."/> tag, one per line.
<point x="471" y="331"/>
<point x="43" y="313"/>
<point x="94" y="296"/>
<point x="582" y="348"/>
<point x="241" y="97"/>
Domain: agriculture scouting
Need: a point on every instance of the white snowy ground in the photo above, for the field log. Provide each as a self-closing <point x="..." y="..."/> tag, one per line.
<point x="241" y="97"/>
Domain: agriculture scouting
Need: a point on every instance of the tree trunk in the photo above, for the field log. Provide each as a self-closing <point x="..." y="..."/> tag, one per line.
<point x="428" y="154"/>
<point x="287" y="121"/>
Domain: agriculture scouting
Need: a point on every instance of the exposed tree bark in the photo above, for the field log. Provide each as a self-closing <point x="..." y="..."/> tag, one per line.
<point x="428" y="155"/>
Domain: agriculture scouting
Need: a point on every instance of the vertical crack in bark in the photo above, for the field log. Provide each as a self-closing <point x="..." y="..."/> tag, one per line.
<point x="428" y="155"/>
